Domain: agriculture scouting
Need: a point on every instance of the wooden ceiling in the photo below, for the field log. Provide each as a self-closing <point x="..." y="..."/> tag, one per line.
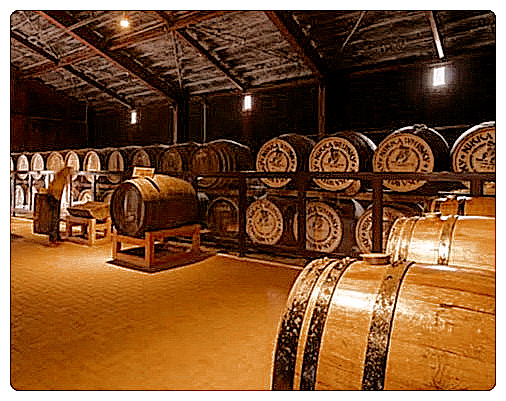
<point x="165" y="56"/>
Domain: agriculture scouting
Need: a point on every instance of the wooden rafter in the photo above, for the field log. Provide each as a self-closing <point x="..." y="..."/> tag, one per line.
<point x="435" y="33"/>
<point x="298" y="40"/>
<point x="48" y="66"/>
<point x="203" y="51"/>
<point x="96" y="44"/>
<point x="71" y="69"/>
<point x="362" y="13"/>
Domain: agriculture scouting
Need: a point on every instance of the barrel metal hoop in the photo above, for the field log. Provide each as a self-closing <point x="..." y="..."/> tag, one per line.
<point x="445" y="241"/>
<point x="378" y="340"/>
<point x="288" y="338"/>
<point x="317" y="325"/>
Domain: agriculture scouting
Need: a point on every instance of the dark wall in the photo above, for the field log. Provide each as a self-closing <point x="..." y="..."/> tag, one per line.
<point x="44" y="120"/>
<point x="114" y="128"/>
<point x="380" y="102"/>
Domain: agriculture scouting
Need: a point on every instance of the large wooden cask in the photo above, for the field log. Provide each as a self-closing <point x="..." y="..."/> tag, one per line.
<point x="285" y="153"/>
<point x="345" y="151"/>
<point x="222" y="155"/>
<point x="391" y="212"/>
<point x="414" y="148"/>
<point x="176" y="158"/>
<point x="149" y="204"/>
<point x="474" y="151"/>
<point x="355" y="325"/>
<point x="467" y="241"/>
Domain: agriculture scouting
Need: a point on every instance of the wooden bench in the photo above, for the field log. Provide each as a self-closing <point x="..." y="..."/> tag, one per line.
<point x="150" y="258"/>
<point x="92" y="231"/>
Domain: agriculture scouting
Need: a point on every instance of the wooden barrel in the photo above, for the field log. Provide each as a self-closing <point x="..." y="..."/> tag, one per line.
<point x="72" y="160"/>
<point x="116" y="163"/>
<point x="55" y="161"/>
<point x="148" y="204"/>
<point x="474" y="151"/>
<point x="391" y="212"/>
<point x="467" y="241"/>
<point x="176" y="158"/>
<point x="345" y="151"/>
<point x="140" y="158"/>
<point x="37" y="163"/>
<point x="354" y="325"/>
<point x="464" y="205"/>
<point x="324" y="227"/>
<point x="23" y="164"/>
<point x="264" y="222"/>
<point x="285" y="153"/>
<point x="415" y="148"/>
<point x="20" y="198"/>
<point x="223" y="217"/>
<point x="92" y="162"/>
<point x="217" y="156"/>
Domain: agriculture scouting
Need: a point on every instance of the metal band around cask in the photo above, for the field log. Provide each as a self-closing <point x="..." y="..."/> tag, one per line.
<point x="353" y="325"/>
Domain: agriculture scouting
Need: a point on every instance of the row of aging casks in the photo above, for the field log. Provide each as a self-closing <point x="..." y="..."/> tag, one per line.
<point x="414" y="148"/>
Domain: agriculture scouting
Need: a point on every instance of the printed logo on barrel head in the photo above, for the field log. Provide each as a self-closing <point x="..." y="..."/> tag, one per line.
<point x="403" y="152"/>
<point x="334" y="154"/>
<point x="276" y="155"/>
<point x="476" y="152"/>
<point x="324" y="228"/>
<point x="363" y="230"/>
<point x="264" y="222"/>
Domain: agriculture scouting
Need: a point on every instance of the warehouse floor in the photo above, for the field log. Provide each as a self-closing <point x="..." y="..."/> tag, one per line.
<point x="78" y="322"/>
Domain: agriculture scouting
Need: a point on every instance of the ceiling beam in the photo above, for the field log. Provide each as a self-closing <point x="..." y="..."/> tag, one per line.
<point x="362" y="13"/>
<point x="290" y="30"/>
<point x="71" y="69"/>
<point x="435" y="33"/>
<point x="157" y="30"/>
<point x="97" y="45"/>
<point x="49" y="66"/>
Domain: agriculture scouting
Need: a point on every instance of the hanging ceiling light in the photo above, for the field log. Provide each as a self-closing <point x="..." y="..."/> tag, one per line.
<point x="124" y="22"/>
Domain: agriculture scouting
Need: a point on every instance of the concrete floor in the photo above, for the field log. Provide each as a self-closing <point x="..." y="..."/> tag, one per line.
<point x="78" y="322"/>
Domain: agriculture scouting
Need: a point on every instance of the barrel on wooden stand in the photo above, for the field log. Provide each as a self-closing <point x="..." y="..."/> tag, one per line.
<point x="285" y="153"/>
<point x="391" y="212"/>
<point x="467" y="241"/>
<point x="148" y="204"/>
<point x="371" y="325"/>
<point x="474" y="151"/>
<point x="345" y="151"/>
<point x="414" y="148"/>
<point x="222" y="155"/>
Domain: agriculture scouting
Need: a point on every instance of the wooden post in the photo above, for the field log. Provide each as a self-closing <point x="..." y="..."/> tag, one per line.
<point x="377" y="215"/>
<point x="242" y="215"/>
<point x="204" y="121"/>
<point x="174" y="123"/>
<point x="321" y="110"/>
<point x="301" y="182"/>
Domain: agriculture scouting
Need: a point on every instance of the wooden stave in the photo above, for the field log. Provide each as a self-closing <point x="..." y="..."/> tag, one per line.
<point x="363" y="146"/>
<point x="299" y="145"/>
<point x="429" y="296"/>
<point x="163" y="202"/>
<point x="464" y="241"/>
<point x="394" y="209"/>
<point x="435" y="142"/>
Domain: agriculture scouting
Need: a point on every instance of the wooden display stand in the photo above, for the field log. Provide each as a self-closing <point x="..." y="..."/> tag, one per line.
<point x="150" y="258"/>
<point x="90" y="226"/>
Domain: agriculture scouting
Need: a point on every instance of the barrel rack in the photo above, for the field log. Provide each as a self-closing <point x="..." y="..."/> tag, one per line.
<point x="377" y="195"/>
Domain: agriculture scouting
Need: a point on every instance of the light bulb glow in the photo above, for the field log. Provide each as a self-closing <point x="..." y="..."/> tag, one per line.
<point x="124" y="23"/>
<point x="439" y="77"/>
<point x="247" y="103"/>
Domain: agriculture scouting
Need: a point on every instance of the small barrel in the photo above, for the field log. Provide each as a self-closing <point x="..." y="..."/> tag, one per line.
<point x="22" y="164"/>
<point x="223" y="217"/>
<point x="370" y="325"/>
<point x="55" y="161"/>
<point x="176" y="158"/>
<point x="474" y="151"/>
<point x="391" y="212"/>
<point x="222" y="155"/>
<point x="264" y="222"/>
<point x="467" y="241"/>
<point x="464" y="205"/>
<point x="345" y="151"/>
<point x="37" y="163"/>
<point x="415" y="148"/>
<point x="148" y="204"/>
<point x="285" y="153"/>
